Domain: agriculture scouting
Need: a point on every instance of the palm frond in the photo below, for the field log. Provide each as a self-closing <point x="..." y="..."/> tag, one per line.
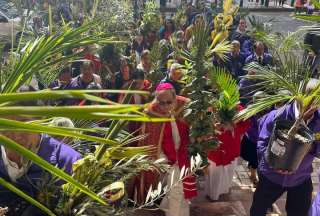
<point x="227" y="86"/>
<point x="42" y="54"/>
<point x="227" y="5"/>
<point x="8" y="143"/>
<point x="25" y="196"/>
<point x="228" y="90"/>
<point x="221" y="50"/>
<point x="307" y="17"/>
<point x="263" y="104"/>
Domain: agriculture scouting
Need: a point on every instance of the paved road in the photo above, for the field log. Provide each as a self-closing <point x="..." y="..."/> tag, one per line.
<point x="282" y="22"/>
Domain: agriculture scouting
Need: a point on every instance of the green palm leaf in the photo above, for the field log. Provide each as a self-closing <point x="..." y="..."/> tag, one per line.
<point x="8" y="143"/>
<point x="228" y="92"/>
<point x="307" y="17"/>
<point x="25" y="196"/>
<point x="290" y="76"/>
<point x="43" y="53"/>
<point x="227" y="86"/>
<point x="6" y="124"/>
<point x="262" y="105"/>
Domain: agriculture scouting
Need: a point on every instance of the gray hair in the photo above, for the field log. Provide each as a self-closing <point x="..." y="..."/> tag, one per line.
<point x="175" y="66"/>
<point x="235" y="42"/>
<point x="312" y="85"/>
<point x="62" y="122"/>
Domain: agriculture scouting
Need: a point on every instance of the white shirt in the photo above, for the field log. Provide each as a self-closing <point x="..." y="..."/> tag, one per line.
<point x="12" y="168"/>
<point x="259" y="57"/>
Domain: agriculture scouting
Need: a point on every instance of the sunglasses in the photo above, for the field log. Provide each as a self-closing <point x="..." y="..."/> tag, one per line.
<point x="163" y="103"/>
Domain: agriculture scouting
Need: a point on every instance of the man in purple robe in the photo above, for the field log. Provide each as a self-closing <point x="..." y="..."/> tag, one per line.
<point x="86" y="77"/>
<point x="82" y="81"/>
<point x="24" y="174"/>
<point x="273" y="183"/>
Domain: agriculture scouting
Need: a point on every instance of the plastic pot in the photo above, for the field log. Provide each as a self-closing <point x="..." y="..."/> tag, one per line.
<point x="285" y="154"/>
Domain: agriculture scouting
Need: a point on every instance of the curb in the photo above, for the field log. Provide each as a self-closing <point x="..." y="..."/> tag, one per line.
<point x="270" y="9"/>
<point x="258" y="9"/>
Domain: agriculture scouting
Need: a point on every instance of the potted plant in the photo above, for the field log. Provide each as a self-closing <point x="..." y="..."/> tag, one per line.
<point x="288" y="82"/>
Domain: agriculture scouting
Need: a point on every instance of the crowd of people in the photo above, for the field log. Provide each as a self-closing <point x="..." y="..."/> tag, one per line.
<point x="106" y="68"/>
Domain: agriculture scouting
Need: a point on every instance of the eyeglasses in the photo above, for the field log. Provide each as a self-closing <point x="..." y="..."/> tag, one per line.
<point x="163" y="103"/>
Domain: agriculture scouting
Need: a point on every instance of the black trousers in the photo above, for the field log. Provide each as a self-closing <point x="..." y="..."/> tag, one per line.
<point x="298" y="198"/>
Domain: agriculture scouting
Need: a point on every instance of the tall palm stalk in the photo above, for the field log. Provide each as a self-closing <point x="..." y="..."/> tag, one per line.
<point x="199" y="60"/>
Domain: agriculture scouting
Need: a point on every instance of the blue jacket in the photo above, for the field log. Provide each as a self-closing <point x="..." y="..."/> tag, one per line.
<point x="246" y="47"/>
<point x="267" y="59"/>
<point x="235" y="64"/>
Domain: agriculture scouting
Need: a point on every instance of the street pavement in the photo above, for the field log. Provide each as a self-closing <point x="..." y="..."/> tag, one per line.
<point x="282" y="21"/>
<point x="272" y="4"/>
<point x="238" y="201"/>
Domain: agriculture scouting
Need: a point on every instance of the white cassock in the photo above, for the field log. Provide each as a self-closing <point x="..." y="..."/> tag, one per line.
<point x="219" y="179"/>
<point x="174" y="203"/>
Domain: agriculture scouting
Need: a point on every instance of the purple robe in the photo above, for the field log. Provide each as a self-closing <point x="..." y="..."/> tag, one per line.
<point x="51" y="150"/>
<point x="77" y="83"/>
<point x="246" y="47"/>
<point x="305" y="169"/>
<point x="253" y="132"/>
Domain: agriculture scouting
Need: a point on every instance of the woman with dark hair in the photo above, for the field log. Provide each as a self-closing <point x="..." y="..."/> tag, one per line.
<point x="110" y="65"/>
<point x="124" y="75"/>
<point x="136" y="47"/>
<point x="64" y="79"/>
<point x="145" y="63"/>
<point x="137" y="82"/>
<point x="167" y="30"/>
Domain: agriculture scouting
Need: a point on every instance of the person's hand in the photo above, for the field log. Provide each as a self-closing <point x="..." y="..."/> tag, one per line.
<point x="3" y="211"/>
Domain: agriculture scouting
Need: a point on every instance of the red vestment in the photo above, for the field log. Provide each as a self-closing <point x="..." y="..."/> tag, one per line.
<point x="230" y="143"/>
<point x="160" y="136"/>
